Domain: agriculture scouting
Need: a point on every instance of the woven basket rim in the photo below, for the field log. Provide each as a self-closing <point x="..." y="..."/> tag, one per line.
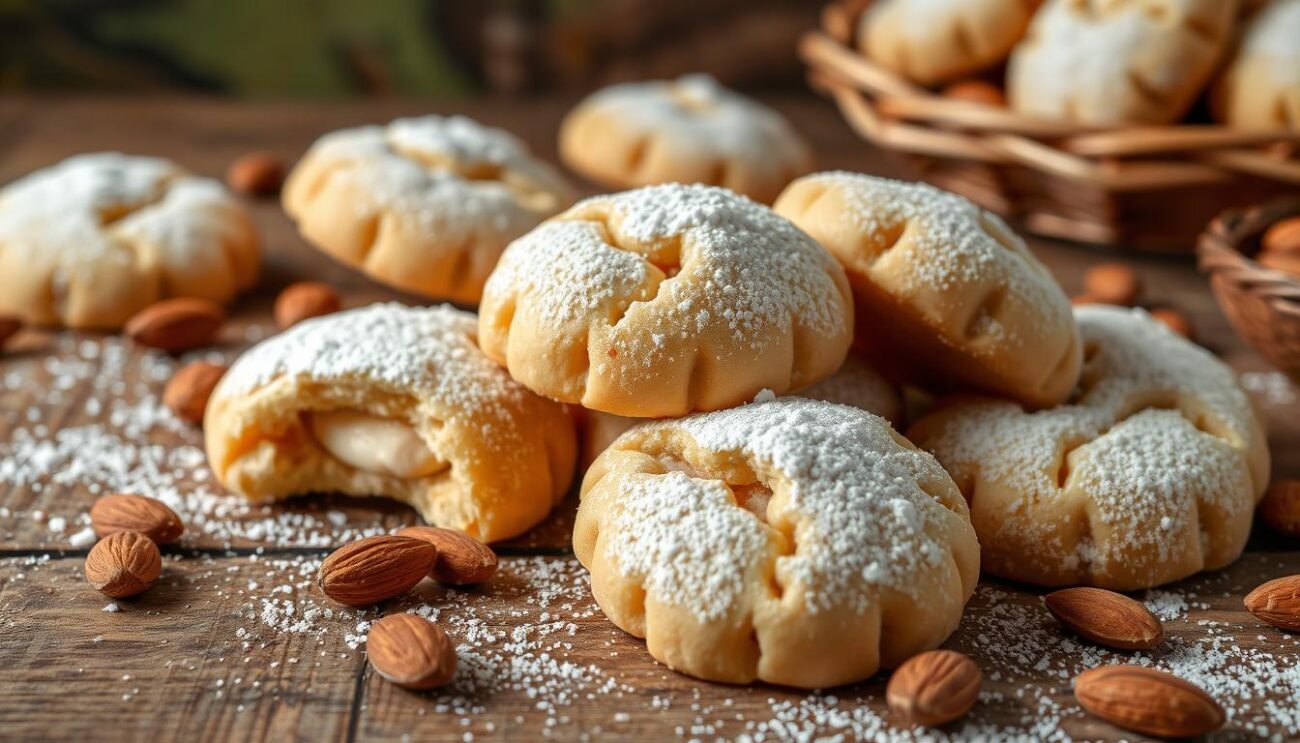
<point x="1221" y="252"/>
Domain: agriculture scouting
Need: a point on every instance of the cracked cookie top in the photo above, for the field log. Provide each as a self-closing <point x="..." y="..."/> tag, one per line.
<point x="664" y="300"/>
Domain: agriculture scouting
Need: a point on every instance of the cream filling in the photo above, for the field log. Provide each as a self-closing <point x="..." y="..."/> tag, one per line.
<point x="368" y="442"/>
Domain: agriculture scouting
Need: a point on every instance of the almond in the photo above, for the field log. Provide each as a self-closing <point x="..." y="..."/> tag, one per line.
<point x="256" y="174"/>
<point x="1113" y="283"/>
<point x="1279" y="261"/>
<point x="9" y="327"/>
<point x="462" y="559"/>
<point x="303" y="301"/>
<point x="1148" y="701"/>
<point x="375" y="569"/>
<point x="411" y="652"/>
<point x="1282" y="237"/>
<point x="178" y="324"/>
<point x="1280" y="508"/>
<point x="123" y="564"/>
<point x="122" y="512"/>
<point x="188" y="390"/>
<point x="934" y="688"/>
<point x="1174" y="320"/>
<point x="976" y="91"/>
<point x="1106" y="618"/>
<point x="1277" y="602"/>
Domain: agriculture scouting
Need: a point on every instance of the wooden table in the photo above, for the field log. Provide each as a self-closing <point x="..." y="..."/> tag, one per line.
<point x="236" y="643"/>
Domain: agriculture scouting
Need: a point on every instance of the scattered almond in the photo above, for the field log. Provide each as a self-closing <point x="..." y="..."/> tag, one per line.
<point x="1282" y="237"/>
<point x="123" y="564"/>
<point x="934" y="688"/>
<point x="1277" y="602"/>
<point x="9" y="327"/>
<point x="1113" y="283"/>
<point x="1106" y="618"/>
<point x="188" y="390"/>
<point x="178" y="324"/>
<point x="124" y="512"/>
<point x="1280" y="508"/>
<point x="303" y="301"/>
<point x="1148" y="701"/>
<point x="256" y="174"/>
<point x="1174" y="320"/>
<point x="462" y="559"/>
<point x="976" y="91"/>
<point x="375" y="569"/>
<point x="411" y="652"/>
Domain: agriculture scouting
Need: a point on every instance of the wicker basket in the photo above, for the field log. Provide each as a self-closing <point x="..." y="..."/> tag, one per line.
<point x="1145" y="187"/>
<point x="1262" y="304"/>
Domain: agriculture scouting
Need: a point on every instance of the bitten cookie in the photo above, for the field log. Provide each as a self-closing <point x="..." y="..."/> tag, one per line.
<point x="795" y="542"/>
<point x="92" y="240"/>
<point x="941" y="40"/>
<point x="392" y="401"/>
<point x="665" y="300"/>
<point x="947" y="296"/>
<point x="1118" y="61"/>
<point x="690" y="130"/>
<point x="1149" y="474"/>
<point x="1261" y="87"/>
<point x="424" y="204"/>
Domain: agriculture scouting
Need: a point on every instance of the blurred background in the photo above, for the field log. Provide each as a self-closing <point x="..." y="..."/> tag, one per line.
<point x="397" y="48"/>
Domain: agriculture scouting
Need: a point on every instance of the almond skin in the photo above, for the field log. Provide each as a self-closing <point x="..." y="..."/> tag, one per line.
<point x="1174" y="320"/>
<point x="1106" y="618"/>
<point x="187" y="392"/>
<point x="256" y="174"/>
<point x="9" y="327"/>
<point x="976" y="91"/>
<point x="1148" y="701"/>
<point x="375" y="569"/>
<point x="1277" y="602"/>
<point x="303" y="301"/>
<point x="1282" y="237"/>
<point x="178" y="324"/>
<point x="411" y="652"/>
<point x="1280" y="508"/>
<point x="123" y="564"/>
<point x="123" y="512"/>
<point x="1112" y="283"/>
<point x="462" y="559"/>
<point x="934" y="688"/>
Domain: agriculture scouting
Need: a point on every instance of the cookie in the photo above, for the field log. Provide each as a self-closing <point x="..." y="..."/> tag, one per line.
<point x="794" y="542"/>
<point x="391" y="401"/>
<point x="666" y="300"/>
<point x="947" y="296"/>
<point x="1150" y="473"/>
<point x="422" y="204"/>
<point x="92" y="240"/>
<point x="1118" y="61"/>
<point x="689" y="130"/>
<point x="942" y="40"/>
<point x="1260" y="89"/>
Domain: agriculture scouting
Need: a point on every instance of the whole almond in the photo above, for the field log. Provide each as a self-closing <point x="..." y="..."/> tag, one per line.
<point x="124" y="512"/>
<point x="1113" y="283"/>
<point x="411" y="652"/>
<point x="9" y="327"/>
<point x="1277" y="602"/>
<point x="976" y="91"/>
<point x="1106" y="618"/>
<point x="303" y="301"/>
<point x="1280" y="508"/>
<point x="187" y="392"/>
<point x="1174" y="320"/>
<point x="256" y="174"/>
<point x="178" y="324"/>
<point x="123" y="564"/>
<point x="1148" y="701"/>
<point x="934" y="688"/>
<point x="375" y="569"/>
<point x="462" y="559"/>
<point x="1280" y="261"/>
<point x="1282" y="237"/>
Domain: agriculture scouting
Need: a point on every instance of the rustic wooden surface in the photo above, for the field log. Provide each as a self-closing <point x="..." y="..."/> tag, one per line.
<point x="190" y="659"/>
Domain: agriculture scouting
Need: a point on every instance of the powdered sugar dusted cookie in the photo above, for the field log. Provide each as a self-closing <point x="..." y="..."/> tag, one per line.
<point x="1261" y="87"/>
<point x="664" y="300"/>
<point x="424" y="204"/>
<point x="690" y="130"/>
<point x="1149" y="474"/>
<point x="934" y="41"/>
<point x="794" y="542"/>
<point x="947" y="295"/>
<point x="393" y="401"/>
<point x="90" y="241"/>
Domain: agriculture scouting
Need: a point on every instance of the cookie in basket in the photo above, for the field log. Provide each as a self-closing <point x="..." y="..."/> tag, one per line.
<point x="391" y="401"/>
<point x="794" y="541"/>
<point x="1260" y="89"/>
<point x="1118" y="61"/>
<point x="947" y="296"/>
<point x="939" y="41"/>
<point x="422" y="204"/>
<point x="1150" y="473"/>
<point x="90" y="241"/>
<point x="665" y="300"/>
<point x="689" y="130"/>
